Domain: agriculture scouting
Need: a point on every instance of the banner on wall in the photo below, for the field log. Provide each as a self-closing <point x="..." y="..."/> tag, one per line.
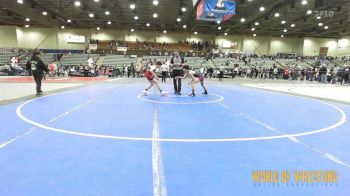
<point x="122" y="49"/>
<point x="234" y="45"/>
<point x="229" y="44"/>
<point x="216" y="10"/>
<point x="78" y="39"/>
<point x="93" y="46"/>
<point x="323" y="51"/>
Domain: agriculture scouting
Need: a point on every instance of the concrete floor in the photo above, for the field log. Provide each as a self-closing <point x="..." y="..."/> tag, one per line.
<point x="18" y="90"/>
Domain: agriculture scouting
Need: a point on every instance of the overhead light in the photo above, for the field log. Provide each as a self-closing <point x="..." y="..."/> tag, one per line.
<point x="320" y="24"/>
<point x="136" y="17"/>
<point x="77" y="3"/>
<point x="282" y="35"/>
<point x="195" y="33"/>
<point x="253" y="29"/>
<point x="109" y="22"/>
<point x="218" y="22"/>
<point x="44" y="13"/>
<point x="219" y="28"/>
<point x="242" y="19"/>
<point x="20" y="1"/>
<point x="98" y="28"/>
<point x="27" y="19"/>
<point x="132" y="6"/>
<point x="148" y="24"/>
<point x="183" y="9"/>
<point x="303" y="2"/>
<point x="27" y="26"/>
<point x="155" y="15"/>
<point x="62" y="27"/>
<point x="132" y="30"/>
<point x="318" y="17"/>
<point x="277" y="15"/>
<point x="155" y="2"/>
<point x="164" y="31"/>
<point x="254" y="34"/>
<point x="325" y="27"/>
<point x="107" y="13"/>
<point x="96" y="0"/>
<point x="178" y="19"/>
<point x="285" y="30"/>
<point x="262" y="9"/>
<point x="91" y="15"/>
<point x="256" y="23"/>
<point x="225" y="34"/>
<point x="69" y="20"/>
<point x="309" y="12"/>
<point x="283" y="22"/>
<point x="184" y="26"/>
<point x="292" y="25"/>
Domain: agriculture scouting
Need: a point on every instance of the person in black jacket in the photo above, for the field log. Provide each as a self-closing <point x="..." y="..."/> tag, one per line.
<point x="36" y="67"/>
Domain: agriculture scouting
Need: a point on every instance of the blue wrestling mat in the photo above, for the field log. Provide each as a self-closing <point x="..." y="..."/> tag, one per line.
<point x="109" y="139"/>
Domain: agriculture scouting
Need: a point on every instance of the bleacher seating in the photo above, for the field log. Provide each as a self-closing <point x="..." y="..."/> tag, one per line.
<point x="78" y="59"/>
<point x="293" y="63"/>
<point x="163" y="59"/>
<point x="6" y="57"/>
<point x="47" y="58"/>
<point x="196" y="62"/>
<point x="342" y="61"/>
<point x="230" y="61"/>
<point x="262" y="62"/>
<point x="319" y="62"/>
<point x="310" y="61"/>
<point x="117" y="60"/>
<point x="146" y="46"/>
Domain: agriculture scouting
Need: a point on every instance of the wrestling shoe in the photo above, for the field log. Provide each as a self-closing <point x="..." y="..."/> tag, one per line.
<point x="144" y="93"/>
<point x="192" y="95"/>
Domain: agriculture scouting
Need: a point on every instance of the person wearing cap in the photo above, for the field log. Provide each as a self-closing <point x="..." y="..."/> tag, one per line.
<point x="37" y="67"/>
<point x="177" y="62"/>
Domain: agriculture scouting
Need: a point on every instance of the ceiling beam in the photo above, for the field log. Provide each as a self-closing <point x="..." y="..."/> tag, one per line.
<point x="275" y="6"/>
<point x="26" y="11"/>
<point x="297" y="19"/>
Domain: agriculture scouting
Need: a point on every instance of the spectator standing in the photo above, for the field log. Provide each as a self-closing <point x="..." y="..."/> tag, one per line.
<point x="221" y="72"/>
<point x="334" y="73"/>
<point x="164" y="69"/>
<point x="323" y="74"/>
<point x="127" y="71"/>
<point x="37" y="68"/>
<point x="90" y="62"/>
<point x="346" y="75"/>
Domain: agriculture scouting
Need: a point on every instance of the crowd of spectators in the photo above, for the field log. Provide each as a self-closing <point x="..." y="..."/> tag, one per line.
<point x="324" y="69"/>
<point x="200" y="45"/>
<point x="323" y="73"/>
